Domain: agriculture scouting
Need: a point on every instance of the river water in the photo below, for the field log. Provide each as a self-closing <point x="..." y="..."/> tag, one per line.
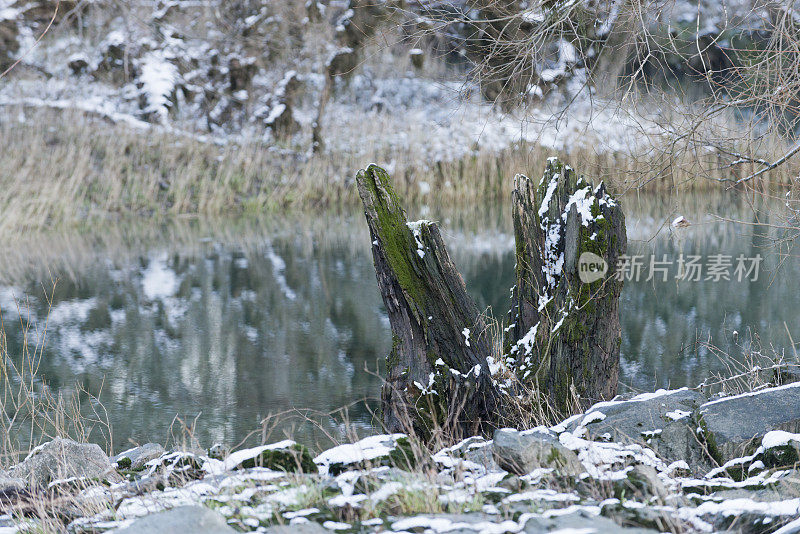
<point x="215" y="325"/>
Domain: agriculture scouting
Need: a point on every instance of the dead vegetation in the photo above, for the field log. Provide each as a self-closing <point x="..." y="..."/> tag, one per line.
<point x="69" y="169"/>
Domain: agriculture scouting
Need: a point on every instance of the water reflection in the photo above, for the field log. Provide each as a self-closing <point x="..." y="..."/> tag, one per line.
<point x="239" y="319"/>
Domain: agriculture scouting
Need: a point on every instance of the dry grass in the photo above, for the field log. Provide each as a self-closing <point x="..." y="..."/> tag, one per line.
<point x="761" y="366"/>
<point x="31" y="412"/>
<point x="63" y="168"/>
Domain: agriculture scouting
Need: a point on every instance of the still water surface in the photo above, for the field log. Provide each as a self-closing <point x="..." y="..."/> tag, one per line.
<point x="224" y="323"/>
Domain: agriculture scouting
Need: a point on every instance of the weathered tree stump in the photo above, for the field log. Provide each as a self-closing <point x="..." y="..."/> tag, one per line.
<point x="564" y="332"/>
<point x="437" y="372"/>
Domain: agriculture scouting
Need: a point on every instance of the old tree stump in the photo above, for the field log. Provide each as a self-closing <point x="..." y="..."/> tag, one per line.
<point x="564" y="332"/>
<point x="562" y="342"/>
<point x="437" y="372"/>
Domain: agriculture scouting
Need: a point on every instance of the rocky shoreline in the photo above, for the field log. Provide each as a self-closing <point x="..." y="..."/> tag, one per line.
<point x="671" y="460"/>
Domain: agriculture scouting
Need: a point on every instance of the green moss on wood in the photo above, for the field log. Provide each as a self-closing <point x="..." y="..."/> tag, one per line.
<point x="395" y="237"/>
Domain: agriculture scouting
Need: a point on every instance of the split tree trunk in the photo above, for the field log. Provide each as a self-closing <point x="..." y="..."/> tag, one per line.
<point x="565" y="333"/>
<point x="437" y="372"/>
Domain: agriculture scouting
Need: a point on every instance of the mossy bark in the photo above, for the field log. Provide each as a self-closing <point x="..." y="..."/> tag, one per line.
<point x="564" y="334"/>
<point x="437" y="373"/>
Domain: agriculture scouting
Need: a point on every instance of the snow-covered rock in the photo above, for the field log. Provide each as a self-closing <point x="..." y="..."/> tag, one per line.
<point x="538" y="448"/>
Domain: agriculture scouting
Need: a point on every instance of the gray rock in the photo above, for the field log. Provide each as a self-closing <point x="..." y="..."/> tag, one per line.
<point x="662" y="422"/>
<point x="627" y="420"/>
<point x="218" y="451"/>
<point x="787" y="374"/>
<point x="301" y="528"/>
<point x="777" y="491"/>
<point x="579" y="522"/>
<point x="522" y="452"/>
<point x="482" y="455"/>
<point x="475" y="522"/>
<point x="642" y="483"/>
<point x="136" y="458"/>
<point x="63" y="458"/>
<point x="182" y="519"/>
<point x="476" y="450"/>
<point x="7" y="482"/>
<point x="735" y="425"/>
<point x="649" y="517"/>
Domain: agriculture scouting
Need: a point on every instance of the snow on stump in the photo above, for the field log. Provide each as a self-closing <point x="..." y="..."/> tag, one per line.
<point x="564" y="333"/>
<point x="417" y="58"/>
<point x="437" y="371"/>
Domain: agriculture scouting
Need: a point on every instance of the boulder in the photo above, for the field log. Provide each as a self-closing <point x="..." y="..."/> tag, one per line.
<point x="136" y="458"/>
<point x="734" y="426"/>
<point x="63" y="458"/>
<point x="483" y="456"/>
<point x="642" y="483"/>
<point x="787" y="374"/>
<point x="633" y="513"/>
<point x="631" y="420"/>
<point x="182" y="519"/>
<point x="285" y="455"/>
<point x="575" y="523"/>
<point x="778" y="450"/>
<point x="9" y="483"/>
<point x="662" y="420"/>
<point x="383" y="449"/>
<point x="522" y="452"/>
<point x="298" y="528"/>
<point x="579" y="522"/>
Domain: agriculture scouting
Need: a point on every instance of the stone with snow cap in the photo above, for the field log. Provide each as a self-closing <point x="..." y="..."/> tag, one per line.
<point x="522" y="452"/>
<point x="286" y="455"/>
<point x="136" y="458"/>
<point x="63" y="459"/>
<point x="373" y="451"/>
<point x="580" y="522"/>
<point x="661" y="420"/>
<point x="778" y="449"/>
<point x="735" y="425"/>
